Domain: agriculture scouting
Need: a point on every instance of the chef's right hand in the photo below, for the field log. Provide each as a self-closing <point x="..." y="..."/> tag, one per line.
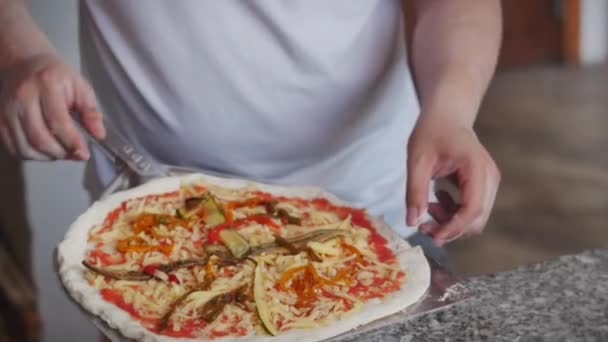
<point x="37" y="96"/>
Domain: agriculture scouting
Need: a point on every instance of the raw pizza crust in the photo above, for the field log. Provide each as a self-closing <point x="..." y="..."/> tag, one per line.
<point x="71" y="251"/>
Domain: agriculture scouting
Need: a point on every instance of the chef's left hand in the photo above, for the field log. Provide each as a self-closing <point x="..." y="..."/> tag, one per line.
<point x="438" y="149"/>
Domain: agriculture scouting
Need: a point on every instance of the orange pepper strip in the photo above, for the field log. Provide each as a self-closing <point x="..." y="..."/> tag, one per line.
<point x="137" y="244"/>
<point x="147" y="222"/>
<point x="344" y="275"/>
<point x="354" y="250"/>
<point x="228" y="214"/>
<point x="143" y="222"/>
<point x="305" y="280"/>
<point x="288" y="275"/>
<point x="250" y="202"/>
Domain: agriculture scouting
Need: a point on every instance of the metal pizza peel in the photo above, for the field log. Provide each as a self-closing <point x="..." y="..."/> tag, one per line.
<point x="135" y="168"/>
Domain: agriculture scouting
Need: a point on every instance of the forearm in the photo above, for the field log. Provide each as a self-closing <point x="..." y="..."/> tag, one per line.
<point x="455" y="48"/>
<point x="20" y="37"/>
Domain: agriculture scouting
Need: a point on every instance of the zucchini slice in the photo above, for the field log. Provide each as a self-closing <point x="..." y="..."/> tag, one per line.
<point x="213" y="213"/>
<point x="208" y="205"/>
<point x="260" y="303"/>
<point x="182" y="213"/>
<point x="237" y="244"/>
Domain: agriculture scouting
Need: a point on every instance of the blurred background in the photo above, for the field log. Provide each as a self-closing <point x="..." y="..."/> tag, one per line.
<point x="544" y="120"/>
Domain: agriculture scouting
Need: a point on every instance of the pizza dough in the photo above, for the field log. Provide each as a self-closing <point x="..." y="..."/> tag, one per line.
<point x="73" y="249"/>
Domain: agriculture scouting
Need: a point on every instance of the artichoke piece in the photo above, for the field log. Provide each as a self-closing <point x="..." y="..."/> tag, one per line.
<point x="237" y="244"/>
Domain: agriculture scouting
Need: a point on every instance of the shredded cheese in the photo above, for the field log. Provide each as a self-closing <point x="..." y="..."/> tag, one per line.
<point x="154" y="297"/>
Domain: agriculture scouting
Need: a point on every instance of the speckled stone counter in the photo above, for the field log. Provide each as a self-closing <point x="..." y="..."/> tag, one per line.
<point x="560" y="300"/>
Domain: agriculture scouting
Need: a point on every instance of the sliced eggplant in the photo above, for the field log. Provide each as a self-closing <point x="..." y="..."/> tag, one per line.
<point x="271" y="207"/>
<point x="299" y="242"/>
<point x="312" y="255"/>
<point x="143" y="276"/>
<point x="244" y="295"/>
<point x="193" y="203"/>
<point x="219" y="250"/>
<point x="213" y="308"/>
<point x="260" y="303"/>
<point x="293" y="249"/>
<point x="236" y="243"/>
<point x="281" y="213"/>
<point x="282" y="242"/>
<point x="164" y="321"/>
<point x="118" y="275"/>
<point x="285" y="216"/>
<point x="173" y="266"/>
<point x="320" y="235"/>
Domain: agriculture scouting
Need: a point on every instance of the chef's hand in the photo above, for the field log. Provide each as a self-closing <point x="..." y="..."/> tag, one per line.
<point x="37" y="96"/>
<point x="439" y="149"/>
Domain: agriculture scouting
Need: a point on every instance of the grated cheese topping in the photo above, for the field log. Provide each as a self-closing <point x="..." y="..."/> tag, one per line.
<point x="146" y="236"/>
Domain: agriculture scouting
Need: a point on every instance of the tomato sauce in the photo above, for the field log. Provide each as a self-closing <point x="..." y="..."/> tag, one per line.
<point x="380" y="287"/>
<point x="233" y="329"/>
<point x="115" y="296"/>
<point x="106" y="259"/>
<point x="348" y="305"/>
<point x="112" y="217"/>
<point x="359" y="218"/>
<point x="188" y="328"/>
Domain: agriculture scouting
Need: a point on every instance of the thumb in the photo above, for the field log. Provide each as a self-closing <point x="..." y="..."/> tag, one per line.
<point x="86" y="105"/>
<point x="419" y="173"/>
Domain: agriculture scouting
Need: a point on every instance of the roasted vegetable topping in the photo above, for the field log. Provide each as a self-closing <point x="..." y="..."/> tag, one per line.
<point x="220" y="250"/>
<point x="314" y="262"/>
<point x="146" y="222"/>
<point x="300" y="242"/>
<point x="203" y="207"/>
<point x="303" y="280"/>
<point x="287" y="218"/>
<point x="261" y="305"/>
<point x="212" y="212"/>
<point x="238" y="245"/>
<point x="147" y="272"/>
<point x="214" y="307"/>
<point x="137" y="244"/>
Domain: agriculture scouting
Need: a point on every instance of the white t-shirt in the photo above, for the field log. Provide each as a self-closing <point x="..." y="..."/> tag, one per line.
<point x="306" y="92"/>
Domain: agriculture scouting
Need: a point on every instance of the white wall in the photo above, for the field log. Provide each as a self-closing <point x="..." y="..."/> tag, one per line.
<point x="594" y="32"/>
<point x="54" y="195"/>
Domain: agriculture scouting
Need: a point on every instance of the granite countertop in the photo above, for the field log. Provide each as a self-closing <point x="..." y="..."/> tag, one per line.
<point x="565" y="299"/>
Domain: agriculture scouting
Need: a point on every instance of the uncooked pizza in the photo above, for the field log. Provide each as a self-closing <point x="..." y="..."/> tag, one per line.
<point x="203" y="260"/>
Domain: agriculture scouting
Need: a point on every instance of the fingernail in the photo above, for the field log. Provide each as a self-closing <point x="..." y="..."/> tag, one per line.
<point x="412" y="216"/>
<point x="82" y="154"/>
<point x="439" y="242"/>
<point x="428" y="228"/>
<point x="100" y="129"/>
<point x="420" y="218"/>
<point x="424" y="229"/>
